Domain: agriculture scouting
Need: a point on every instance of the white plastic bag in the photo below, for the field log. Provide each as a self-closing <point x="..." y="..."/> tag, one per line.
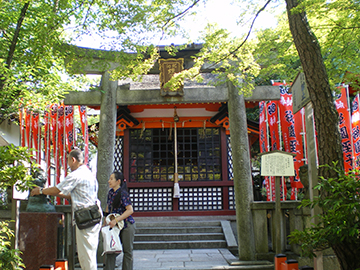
<point x="111" y="240"/>
<point x="112" y="216"/>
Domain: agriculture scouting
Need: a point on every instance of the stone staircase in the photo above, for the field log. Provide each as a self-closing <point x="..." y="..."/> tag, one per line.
<point x="179" y="234"/>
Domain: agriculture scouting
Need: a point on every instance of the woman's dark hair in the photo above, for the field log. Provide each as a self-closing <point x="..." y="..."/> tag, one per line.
<point x="123" y="187"/>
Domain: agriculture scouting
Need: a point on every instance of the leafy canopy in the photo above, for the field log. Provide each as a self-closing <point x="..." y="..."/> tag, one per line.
<point x="32" y="55"/>
<point x="337" y="27"/>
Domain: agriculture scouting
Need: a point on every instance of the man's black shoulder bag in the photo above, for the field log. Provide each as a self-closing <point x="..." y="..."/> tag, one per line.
<point x="87" y="217"/>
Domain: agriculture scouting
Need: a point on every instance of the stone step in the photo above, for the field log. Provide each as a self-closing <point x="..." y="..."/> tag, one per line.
<point x="179" y="234"/>
<point x="214" y="223"/>
<point x="179" y="230"/>
<point x="206" y="244"/>
<point x="177" y="237"/>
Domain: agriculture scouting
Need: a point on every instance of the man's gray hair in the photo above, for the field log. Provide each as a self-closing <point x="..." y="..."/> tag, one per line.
<point x="77" y="154"/>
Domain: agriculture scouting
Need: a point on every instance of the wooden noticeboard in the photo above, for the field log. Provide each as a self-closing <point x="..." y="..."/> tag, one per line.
<point x="277" y="163"/>
<point x="299" y="92"/>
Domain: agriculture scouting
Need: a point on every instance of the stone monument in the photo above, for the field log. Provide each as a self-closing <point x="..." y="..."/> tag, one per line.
<point x="40" y="203"/>
<point x="39" y="229"/>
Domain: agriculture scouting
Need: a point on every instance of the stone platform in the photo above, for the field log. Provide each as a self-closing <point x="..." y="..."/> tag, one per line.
<point x="38" y="234"/>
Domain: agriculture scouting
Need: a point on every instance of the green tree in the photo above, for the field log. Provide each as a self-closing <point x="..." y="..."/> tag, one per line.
<point x="33" y="33"/>
<point x="331" y="55"/>
<point x="16" y="164"/>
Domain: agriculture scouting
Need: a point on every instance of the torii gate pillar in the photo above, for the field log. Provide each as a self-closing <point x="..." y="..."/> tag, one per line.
<point x="242" y="174"/>
<point x="107" y="132"/>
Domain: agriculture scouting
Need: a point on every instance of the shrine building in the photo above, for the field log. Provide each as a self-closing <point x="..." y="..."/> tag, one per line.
<point x="165" y="137"/>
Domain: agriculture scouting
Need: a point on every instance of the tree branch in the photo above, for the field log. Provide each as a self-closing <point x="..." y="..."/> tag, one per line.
<point x="181" y="14"/>
<point x="16" y="34"/>
<point x="247" y="36"/>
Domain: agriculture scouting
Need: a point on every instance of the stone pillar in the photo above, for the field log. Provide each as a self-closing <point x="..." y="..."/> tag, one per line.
<point x="106" y="140"/>
<point x="312" y="173"/>
<point x="242" y="173"/>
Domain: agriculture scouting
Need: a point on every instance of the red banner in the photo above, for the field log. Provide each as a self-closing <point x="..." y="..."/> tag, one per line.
<point x="27" y="127"/>
<point x="355" y="124"/>
<point x="69" y="127"/>
<point x="287" y="123"/>
<point x="53" y="125"/>
<point x="272" y="116"/>
<point x="264" y="144"/>
<point x="84" y="127"/>
<point x="292" y="142"/>
<point x="22" y="126"/>
<point x="61" y="132"/>
<point x="47" y="143"/>
<point x="342" y="107"/>
<point x="60" y="146"/>
<point x="36" y="135"/>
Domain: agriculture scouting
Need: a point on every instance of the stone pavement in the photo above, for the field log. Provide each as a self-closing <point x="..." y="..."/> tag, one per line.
<point x="185" y="259"/>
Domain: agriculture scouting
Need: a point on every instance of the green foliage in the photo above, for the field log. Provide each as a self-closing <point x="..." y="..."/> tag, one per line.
<point x="339" y="221"/>
<point x="335" y="23"/>
<point x="15" y="164"/>
<point x="231" y="59"/>
<point x="9" y="258"/>
<point x="276" y="54"/>
<point x="33" y="34"/>
<point x="253" y="113"/>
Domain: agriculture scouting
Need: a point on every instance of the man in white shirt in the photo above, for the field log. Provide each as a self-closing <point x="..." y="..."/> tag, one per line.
<point x="81" y="187"/>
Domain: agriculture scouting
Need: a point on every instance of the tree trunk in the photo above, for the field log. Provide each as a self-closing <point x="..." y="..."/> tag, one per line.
<point x="325" y="114"/>
<point x="348" y="255"/>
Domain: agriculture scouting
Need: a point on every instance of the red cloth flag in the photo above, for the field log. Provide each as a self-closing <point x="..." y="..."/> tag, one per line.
<point x="22" y="128"/>
<point x="69" y="127"/>
<point x="272" y="116"/>
<point x="53" y="125"/>
<point x="36" y="135"/>
<point x="355" y="124"/>
<point x="60" y="146"/>
<point x="342" y="107"/>
<point x="47" y="143"/>
<point x="27" y="125"/>
<point x="54" y="138"/>
<point x="61" y="131"/>
<point x="84" y="127"/>
<point x="290" y="138"/>
<point x="264" y="144"/>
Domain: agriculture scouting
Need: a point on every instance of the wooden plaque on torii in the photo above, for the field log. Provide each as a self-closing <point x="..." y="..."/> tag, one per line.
<point x="168" y="67"/>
